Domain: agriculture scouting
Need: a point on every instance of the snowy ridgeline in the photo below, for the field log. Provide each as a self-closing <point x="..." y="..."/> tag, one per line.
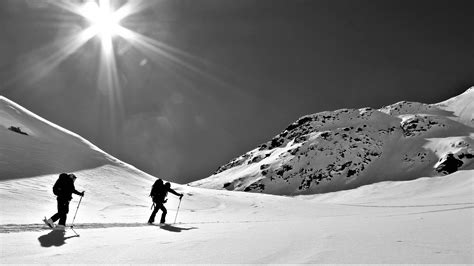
<point x="348" y="148"/>
<point x="31" y="146"/>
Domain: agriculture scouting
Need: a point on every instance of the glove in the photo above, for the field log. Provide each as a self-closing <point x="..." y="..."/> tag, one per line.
<point x="180" y="197"/>
<point x="82" y="193"/>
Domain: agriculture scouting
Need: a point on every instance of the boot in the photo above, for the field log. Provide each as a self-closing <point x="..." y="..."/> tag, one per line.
<point x="48" y="222"/>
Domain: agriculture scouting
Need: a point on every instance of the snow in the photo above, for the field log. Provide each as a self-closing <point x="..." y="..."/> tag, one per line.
<point x="427" y="220"/>
<point x="461" y="106"/>
<point x="348" y="148"/>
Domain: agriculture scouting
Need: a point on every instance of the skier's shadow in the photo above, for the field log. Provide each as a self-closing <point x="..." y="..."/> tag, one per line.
<point x="54" y="238"/>
<point x="176" y="229"/>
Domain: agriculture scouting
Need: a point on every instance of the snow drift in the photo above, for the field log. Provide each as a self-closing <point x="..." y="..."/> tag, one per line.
<point x="349" y="148"/>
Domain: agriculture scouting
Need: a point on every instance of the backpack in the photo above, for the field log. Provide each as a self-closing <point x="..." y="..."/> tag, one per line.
<point x="157" y="189"/>
<point x="59" y="185"/>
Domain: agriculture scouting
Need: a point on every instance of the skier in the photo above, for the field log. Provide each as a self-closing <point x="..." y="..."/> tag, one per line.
<point x="63" y="189"/>
<point x="158" y="194"/>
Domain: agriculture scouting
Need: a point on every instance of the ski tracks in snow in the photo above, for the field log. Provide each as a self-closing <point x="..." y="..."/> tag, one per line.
<point x="17" y="228"/>
<point x="425" y="208"/>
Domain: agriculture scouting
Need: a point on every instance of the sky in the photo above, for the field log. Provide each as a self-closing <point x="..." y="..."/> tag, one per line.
<point x="223" y="76"/>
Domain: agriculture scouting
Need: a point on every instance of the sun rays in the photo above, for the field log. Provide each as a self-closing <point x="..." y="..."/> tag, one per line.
<point x="102" y="20"/>
<point x="104" y="23"/>
<point x="109" y="42"/>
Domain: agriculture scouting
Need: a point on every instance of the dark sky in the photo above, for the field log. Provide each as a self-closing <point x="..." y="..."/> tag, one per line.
<point x="257" y="65"/>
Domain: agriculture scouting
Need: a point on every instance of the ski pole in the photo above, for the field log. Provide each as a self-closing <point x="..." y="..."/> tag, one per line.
<point x="72" y="224"/>
<point x="177" y="211"/>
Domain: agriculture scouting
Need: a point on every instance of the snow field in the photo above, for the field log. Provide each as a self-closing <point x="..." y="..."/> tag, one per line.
<point x="428" y="220"/>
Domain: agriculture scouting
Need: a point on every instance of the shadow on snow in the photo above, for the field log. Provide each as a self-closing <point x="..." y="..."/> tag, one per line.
<point x="54" y="238"/>
<point x="175" y="229"/>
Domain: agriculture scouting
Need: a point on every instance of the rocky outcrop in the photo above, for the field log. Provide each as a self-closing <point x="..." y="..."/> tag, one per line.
<point x="448" y="164"/>
<point x="347" y="148"/>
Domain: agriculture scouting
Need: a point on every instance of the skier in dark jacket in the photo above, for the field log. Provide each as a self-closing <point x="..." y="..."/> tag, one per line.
<point x="63" y="189"/>
<point x="158" y="194"/>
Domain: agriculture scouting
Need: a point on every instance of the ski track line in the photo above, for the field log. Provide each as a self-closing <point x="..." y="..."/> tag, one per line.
<point x="433" y="211"/>
<point x="17" y="228"/>
<point x="407" y="206"/>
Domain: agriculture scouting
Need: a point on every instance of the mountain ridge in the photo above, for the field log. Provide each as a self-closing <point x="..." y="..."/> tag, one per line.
<point x="347" y="148"/>
<point x="61" y="150"/>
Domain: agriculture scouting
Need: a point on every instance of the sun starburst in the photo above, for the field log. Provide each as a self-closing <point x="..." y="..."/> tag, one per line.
<point x="102" y="18"/>
<point x="106" y="20"/>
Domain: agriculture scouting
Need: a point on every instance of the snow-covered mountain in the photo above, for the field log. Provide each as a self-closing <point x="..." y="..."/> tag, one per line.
<point x="390" y="222"/>
<point x="348" y="148"/>
<point x="32" y="146"/>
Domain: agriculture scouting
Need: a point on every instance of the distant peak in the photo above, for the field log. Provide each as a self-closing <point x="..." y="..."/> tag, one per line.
<point x="468" y="91"/>
<point x="467" y="94"/>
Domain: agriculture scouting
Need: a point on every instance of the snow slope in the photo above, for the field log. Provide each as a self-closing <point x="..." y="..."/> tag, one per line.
<point x="461" y="106"/>
<point x="418" y="221"/>
<point x="30" y="164"/>
<point x="428" y="220"/>
<point x="45" y="148"/>
<point x="349" y="148"/>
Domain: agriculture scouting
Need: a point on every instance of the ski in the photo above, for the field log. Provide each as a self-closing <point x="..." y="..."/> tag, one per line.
<point x="45" y="220"/>
<point x="57" y="228"/>
<point x="160" y="224"/>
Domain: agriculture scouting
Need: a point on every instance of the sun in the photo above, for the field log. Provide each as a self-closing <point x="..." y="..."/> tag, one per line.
<point x="103" y="20"/>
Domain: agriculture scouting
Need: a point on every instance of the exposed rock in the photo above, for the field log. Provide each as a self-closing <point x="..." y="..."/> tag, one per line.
<point x="448" y="164"/>
<point x="17" y="130"/>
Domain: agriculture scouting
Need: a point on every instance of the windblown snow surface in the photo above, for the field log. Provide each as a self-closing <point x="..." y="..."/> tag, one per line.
<point x="426" y="220"/>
